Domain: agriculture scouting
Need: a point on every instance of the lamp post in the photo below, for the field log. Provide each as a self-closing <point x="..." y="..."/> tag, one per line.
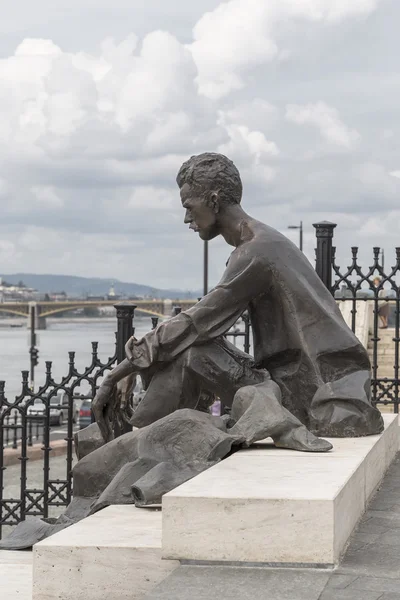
<point x="205" y="268"/>
<point x="382" y="253"/>
<point x="33" y="351"/>
<point x="300" y="228"/>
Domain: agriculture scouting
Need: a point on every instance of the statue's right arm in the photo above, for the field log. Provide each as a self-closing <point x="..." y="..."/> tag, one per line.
<point x="119" y="372"/>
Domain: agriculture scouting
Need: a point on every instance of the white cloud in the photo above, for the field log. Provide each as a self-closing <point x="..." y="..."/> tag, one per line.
<point x="52" y="97"/>
<point x="326" y="119"/>
<point x="3" y="188"/>
<point x="152" y="198"/>
<point x="8" y="251"/>
<point x="94" y="130"/>
<point x="253" y="144"/>
<point x="47" y="196"/>
<point x="256" y="114"/>
<point x="240" y="34"/>
<point x="395" y="174"/>
<point x="321" y="10"/>
<point x="387" y="134"/>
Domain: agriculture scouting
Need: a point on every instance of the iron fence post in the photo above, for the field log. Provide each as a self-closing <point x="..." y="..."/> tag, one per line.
<point x="125" y="315"/>
<point x="323" y="251"/>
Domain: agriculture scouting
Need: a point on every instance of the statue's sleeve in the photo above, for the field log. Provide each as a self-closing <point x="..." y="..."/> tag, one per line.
<point x="244" y="279"/>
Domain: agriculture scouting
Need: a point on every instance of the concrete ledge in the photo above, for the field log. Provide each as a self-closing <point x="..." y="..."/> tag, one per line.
<point x="278" y="507"/>
<point x="112" y="555"/>
<point x="12" y="456"/>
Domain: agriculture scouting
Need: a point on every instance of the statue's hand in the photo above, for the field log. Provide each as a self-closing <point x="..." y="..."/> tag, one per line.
<point x="129" y="346"/>
<point x="102" y="406"/>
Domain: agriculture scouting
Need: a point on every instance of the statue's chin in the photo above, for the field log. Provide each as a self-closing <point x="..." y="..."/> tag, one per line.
<point x="208" y="235"/>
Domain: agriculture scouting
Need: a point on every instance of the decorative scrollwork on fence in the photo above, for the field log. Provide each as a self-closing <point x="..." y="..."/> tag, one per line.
<point x="15" y="418"/>
<point x="380" y="292"/>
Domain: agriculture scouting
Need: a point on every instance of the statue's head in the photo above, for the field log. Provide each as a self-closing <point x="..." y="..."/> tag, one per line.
<point x="209" y="183"/>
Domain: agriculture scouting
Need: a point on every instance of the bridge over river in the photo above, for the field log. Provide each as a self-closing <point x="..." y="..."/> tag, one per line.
<point x="156" y="308"/>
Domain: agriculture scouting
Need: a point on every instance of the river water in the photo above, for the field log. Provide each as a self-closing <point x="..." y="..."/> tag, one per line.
<point x="60" y="337"/>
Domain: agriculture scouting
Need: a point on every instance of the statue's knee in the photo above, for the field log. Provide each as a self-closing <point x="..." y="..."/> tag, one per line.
<point x="80" y="474"/>
<point x="140" y="419"/>
<point x="193" y="357"/>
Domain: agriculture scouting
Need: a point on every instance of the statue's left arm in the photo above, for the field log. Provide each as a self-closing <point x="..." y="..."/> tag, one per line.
<point x="244" y="279"/>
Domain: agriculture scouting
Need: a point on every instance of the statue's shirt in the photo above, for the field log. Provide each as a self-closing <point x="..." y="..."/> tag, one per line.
<point x="299" y="334"/>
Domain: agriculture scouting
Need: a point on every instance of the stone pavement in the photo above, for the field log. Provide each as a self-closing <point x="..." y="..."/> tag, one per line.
<point x="370" y="569"/>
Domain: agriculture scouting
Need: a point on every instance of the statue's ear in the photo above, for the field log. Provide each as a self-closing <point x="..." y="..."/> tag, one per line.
<point x="214" y="201"/>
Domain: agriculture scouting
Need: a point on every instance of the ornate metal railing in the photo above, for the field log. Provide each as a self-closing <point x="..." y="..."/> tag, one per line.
<point x="54" y="492"/>
<point x="19" y="431"/>
<point x="358" y="287"/>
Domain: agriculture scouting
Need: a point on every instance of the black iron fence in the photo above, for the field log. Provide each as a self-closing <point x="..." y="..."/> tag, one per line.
<point x="21" y="431"/>
<point x="21" y="428"/>
<point x="375" y="293"/>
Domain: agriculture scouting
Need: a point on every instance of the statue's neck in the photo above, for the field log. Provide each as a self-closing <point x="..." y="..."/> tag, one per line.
<point x="236" y="225"/>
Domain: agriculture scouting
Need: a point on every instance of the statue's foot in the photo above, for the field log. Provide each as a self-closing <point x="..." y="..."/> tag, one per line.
<point x="303" y="440"/>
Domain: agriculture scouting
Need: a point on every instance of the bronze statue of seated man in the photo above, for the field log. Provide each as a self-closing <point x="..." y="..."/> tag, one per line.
<point x="310" y="376"/>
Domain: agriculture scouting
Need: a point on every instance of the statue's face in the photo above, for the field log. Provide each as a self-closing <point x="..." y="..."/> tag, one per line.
<point x="201" y="213"/>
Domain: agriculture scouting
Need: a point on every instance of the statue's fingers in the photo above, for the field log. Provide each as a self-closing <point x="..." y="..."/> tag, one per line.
<point x="101" y="416"/>
<point x="105" y="429"/>
<point x="98" y="408"/>
<point x="129" y="348"/>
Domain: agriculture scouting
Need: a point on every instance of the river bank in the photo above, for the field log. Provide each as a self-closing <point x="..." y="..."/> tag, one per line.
<point x="62" y="336"/>
<point x="21" y="322"/>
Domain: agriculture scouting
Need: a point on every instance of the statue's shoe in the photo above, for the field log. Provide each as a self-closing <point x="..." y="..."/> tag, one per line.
<point x="303" y="440"/>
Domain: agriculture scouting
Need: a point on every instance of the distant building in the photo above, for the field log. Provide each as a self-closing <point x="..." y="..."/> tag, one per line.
<point x="58" y="296"/>
<point x="111" y="293"/>
<point x="16" y="293"/>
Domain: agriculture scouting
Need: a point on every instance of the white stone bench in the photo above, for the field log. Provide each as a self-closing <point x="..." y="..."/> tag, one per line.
<point x="272" y="506"/>
<point x="113" y="555"/>
<point x="259" y="506"/>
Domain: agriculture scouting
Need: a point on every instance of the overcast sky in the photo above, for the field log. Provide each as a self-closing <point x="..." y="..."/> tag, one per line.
<point x="101" y="102"/>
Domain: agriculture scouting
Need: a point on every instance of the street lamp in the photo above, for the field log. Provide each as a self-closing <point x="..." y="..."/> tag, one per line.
<point x="382" y="253"/>
<point x="205" y="268"/>
<point x="300" y="228"/>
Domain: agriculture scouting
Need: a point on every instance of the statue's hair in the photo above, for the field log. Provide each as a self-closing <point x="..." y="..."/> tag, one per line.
<point x="211" y="172"/>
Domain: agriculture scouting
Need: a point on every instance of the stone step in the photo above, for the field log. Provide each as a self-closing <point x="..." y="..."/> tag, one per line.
<point x="269" y="506"/>
<point x="113" y="555"/>
<point x="385" y="374"/>
<point x="385" y="333"/>
<point x="383" y="340"/>
<point x="381" y="347"/>
<point x="386" y="366"/>
<point x="383" y="356"/>
<point x="388" y="408"/>
<point x="15" y="575"/>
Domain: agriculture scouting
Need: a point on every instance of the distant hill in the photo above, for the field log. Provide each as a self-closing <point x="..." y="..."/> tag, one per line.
<point x="92" y="286"/>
